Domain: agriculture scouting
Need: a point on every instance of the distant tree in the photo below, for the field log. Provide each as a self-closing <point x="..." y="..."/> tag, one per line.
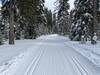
<point x="32" y="15"/>
<point x="49" y="20"/>
<point x="55" y="26"/>
<point x="41" y="18"/>
<point x="63" y="16"/>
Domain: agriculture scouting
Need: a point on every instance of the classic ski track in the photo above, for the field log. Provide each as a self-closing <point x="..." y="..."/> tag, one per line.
<point x="66" y="59"/>
<point x="34" y="63"/>
<point x="71" y="62"/>
<point x="77" y="64"/>
<point x="80" y="68"/>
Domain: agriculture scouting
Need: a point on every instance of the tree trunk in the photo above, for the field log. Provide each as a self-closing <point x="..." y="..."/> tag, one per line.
<point x="11" y="26"/>
<point x="95" y="16"/>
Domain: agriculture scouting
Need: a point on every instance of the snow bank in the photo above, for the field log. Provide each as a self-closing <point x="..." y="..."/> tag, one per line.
<point x="9" y="67"/>
<point x="52" y="37"/>
<point x="12" y="66"/>
<point x="9" y="51"/>
<point x="12" y="57"/>
<point x="48" y="36"/>
<point x="92" y="52"/>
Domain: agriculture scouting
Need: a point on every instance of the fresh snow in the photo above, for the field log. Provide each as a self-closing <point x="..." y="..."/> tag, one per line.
<point x="49" y="55"/>
<point x="92" y="52"/>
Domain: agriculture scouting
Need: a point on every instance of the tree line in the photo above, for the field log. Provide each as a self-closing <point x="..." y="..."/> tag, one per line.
<point x="84" y="20"/>
<point x="25" y="18"/>
<point x="30" y="18"/>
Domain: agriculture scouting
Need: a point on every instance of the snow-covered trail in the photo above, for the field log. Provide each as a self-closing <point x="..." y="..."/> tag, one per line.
<point x="57" y="58"/>
<point x="52" y="56"/>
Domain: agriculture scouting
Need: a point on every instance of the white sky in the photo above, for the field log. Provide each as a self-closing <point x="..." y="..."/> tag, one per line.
<point x="0" y="3"/>
<point x="50" y="4"/>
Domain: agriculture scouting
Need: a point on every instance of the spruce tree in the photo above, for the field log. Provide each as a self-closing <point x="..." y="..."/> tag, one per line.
<point x="29" y="16"/>
<point x="82" y="20"/>
<point x="63" y="16"/>
<point x="49" y="20"/>
<point x="1" y="41"/>
<point x="55" y="28"/>
<point x="1" y="32"/>
<point x="8" y="13"/>
<point x="32" y="16"/>
<point x="42" y="20"/>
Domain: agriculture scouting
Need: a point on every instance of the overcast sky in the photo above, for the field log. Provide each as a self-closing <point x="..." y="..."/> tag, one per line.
<point x="0" y="3"/>
<point x="50" y="4"/>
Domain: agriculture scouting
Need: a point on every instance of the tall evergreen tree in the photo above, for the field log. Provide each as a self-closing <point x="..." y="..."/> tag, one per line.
<point x="28" y="15"/>
<point x="0" y="38"/>
<point x="8" y="16"/>
<point x="1" y="29"/>
<point x="33" y="12"/>
<point x="41" y="18"/>
<point x="63" y="16"/>
<point x="49" y="20"/>
<point x="55" y="27"/>
<point x="82" y="21"/>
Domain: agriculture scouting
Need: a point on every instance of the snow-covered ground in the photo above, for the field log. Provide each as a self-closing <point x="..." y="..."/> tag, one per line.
<point x="49" y="55"/>
<point x="92" y="52"/>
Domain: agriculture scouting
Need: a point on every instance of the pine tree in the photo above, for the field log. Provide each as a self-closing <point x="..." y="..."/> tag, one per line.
<point x="1" y="32"/>
<point x="8" y="8"/>
<point x="63" y="16"/>
<point x="1" y="38"/>
<point x="41" y="21"/>
<point x="29" y="17"/>
<point x="32" y="16"/>
<point x="55" y="26"/>
<point x="82" y="21"/>
<point x="49" y="20"/>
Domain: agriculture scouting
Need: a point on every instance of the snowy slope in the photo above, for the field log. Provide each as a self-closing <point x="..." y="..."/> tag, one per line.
<point x="92" y="52"/>
<point x="47" y="55"/>
<point x="9" y="51"/>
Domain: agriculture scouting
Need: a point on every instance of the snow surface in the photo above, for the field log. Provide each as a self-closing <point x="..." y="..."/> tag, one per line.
<point x="48" y="55"/>
<point x="92" y="52"/>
